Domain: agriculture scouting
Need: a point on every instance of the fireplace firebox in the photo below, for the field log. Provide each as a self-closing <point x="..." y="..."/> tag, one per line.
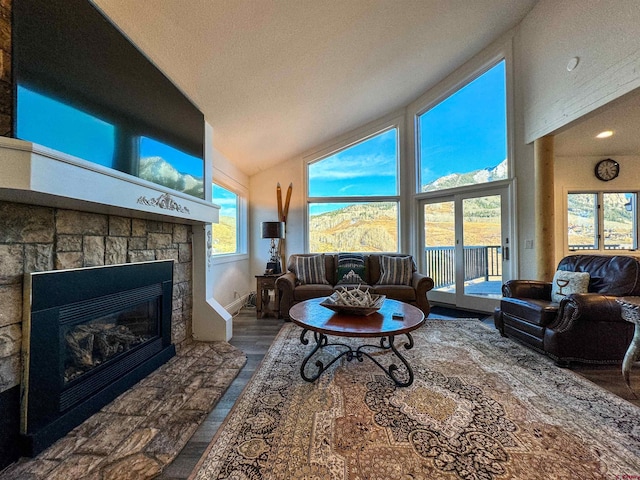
<point x="89" y="335"/>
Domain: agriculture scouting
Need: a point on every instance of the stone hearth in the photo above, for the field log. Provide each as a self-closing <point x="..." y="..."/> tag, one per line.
<point x="138" y="434"/>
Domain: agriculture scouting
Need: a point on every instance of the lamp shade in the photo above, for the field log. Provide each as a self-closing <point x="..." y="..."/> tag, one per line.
<point x="272" y="229"/>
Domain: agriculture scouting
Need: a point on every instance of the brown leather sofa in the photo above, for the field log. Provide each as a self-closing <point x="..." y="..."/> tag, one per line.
<point x="292" y="292"/>
<point x="582" y="327"/>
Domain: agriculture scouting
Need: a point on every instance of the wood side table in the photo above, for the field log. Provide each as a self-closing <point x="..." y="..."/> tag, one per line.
<point x="630" y="311"/>
<point x="265" y="283"/>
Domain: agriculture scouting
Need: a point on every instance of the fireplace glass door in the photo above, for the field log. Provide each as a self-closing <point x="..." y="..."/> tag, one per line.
<point x="88" y="345"/>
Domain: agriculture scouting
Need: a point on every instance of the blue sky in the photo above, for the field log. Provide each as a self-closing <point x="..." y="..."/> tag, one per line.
<point x="227" y="200"/>
<point x="367" y="168"/>
<point x="51" y="123"/>
<point x="465" y="132"/>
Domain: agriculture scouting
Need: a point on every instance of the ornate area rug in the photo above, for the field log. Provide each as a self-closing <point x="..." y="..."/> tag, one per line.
<point x="480" y="407"/>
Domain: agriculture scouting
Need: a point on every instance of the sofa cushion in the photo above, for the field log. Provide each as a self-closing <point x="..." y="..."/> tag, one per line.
<point x="306" y="292"/>
<point x="403" y="293"/>
<point x="395" y="270"/>
<point x="310" y="270"/>
<point x="529" y="311"/>
<point x="351" y="269"/>
<point x="565" y="283"/>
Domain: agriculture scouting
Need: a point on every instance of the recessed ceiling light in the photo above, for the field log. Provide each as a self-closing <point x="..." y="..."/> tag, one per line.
<point x="605" y="134"/>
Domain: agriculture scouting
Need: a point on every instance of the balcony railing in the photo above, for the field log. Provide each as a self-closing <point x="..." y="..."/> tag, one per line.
<point x="480" y="262"/>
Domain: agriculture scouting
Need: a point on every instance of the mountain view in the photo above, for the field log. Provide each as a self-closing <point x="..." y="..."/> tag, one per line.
<point x="371" y="227"/>
<point x="356" y="228"/>
<point x="618" y="221"/>
<point x="499" y="172"/>
<point x="224" y="235"/>
<point x="158" y="170"/>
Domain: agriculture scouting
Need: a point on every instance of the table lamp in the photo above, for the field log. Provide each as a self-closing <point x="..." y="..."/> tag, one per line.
<point x="273" y="230"/>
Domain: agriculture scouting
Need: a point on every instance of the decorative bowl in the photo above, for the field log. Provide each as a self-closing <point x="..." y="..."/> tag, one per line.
<point x="330" y="303"/>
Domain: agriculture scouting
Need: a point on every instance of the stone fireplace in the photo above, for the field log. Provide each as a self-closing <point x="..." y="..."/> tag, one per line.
<point x="41" y="239"/>
<point x="59" y="212"/>
<point x="89" y="335"/>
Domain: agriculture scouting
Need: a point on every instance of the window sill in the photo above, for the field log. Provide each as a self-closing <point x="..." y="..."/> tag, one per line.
<point x="228" y="258"/>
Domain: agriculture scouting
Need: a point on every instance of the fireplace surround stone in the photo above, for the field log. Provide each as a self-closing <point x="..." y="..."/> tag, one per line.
<point x="34" y="238"/>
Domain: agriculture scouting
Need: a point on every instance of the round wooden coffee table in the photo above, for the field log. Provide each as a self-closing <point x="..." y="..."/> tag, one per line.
<point x="312" y="316"/>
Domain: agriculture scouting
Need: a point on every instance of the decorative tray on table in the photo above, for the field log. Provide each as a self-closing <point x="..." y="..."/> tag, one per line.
<point x="354" y="302"/>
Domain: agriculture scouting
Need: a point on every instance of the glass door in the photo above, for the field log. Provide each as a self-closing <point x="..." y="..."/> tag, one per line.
<point x="466" y="248"/>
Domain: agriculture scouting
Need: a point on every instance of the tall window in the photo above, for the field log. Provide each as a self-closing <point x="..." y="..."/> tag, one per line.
<point x="225" y="233"/>
<point x="602" y="221"/>
<point x="353" y="197"/>
<point x="463" y="139"/>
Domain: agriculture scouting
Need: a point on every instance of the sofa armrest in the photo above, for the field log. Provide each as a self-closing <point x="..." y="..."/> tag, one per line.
<point x="535" y="289"/>
<point x="422" y="284"/>
<point x="286" y="284"/>
<point x="286" y="281"/>
<point x="586" y="307"/>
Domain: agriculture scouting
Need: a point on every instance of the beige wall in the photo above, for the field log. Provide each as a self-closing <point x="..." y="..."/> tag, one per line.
<point x="264" y="208"/>
<point x="602" y="33"/>
<point x="231" y="276"/>
<point x="576" y="173"/>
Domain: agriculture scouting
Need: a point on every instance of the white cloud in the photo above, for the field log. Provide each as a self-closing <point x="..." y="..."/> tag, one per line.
<point x="344" y="166"/>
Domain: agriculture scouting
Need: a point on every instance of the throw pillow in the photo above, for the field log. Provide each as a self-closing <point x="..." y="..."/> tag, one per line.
<point x="395" y="270"/>
<point x="566" y="283"/>
<point x="351" y="268"/>
<point x="310" y="270"/>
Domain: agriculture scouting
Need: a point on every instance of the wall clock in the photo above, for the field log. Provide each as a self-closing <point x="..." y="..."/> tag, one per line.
<point x="607" y="169"/>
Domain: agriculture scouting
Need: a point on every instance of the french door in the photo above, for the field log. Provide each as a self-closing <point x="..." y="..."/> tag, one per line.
<point x="466" y="245"/>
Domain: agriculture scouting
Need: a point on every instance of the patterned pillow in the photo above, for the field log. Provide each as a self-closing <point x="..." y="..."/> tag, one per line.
<point x="310" y="270"/>
<point x="395" y="270"/>
<point x="351" y="268"/>
<point x="565" y="283"/>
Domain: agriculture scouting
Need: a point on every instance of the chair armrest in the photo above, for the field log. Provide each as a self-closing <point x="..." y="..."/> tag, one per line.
<point x="586" y="307"/>
<point x="535" y="289"/>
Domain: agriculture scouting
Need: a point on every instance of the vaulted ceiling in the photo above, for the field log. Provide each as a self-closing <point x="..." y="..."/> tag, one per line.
<point x="276" y="78"/>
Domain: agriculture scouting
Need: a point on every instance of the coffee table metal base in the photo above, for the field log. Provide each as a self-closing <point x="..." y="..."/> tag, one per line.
<point x="386" y="343"/>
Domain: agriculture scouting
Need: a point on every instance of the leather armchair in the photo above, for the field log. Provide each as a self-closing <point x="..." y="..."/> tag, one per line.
<point x="583" y="327"/>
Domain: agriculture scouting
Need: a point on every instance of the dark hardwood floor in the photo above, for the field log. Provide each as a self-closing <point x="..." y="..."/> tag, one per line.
<point x="254" y="336"/>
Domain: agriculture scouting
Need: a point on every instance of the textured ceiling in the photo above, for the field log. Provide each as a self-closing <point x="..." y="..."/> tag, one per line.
<point x="276" y="78"/>
<point x="622" y="116"/>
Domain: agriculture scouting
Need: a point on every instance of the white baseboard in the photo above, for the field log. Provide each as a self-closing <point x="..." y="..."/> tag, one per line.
<point x="235" y="306"/>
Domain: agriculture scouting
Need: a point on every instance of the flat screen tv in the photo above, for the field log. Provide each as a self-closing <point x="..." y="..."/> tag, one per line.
<point x="82" y="88"/>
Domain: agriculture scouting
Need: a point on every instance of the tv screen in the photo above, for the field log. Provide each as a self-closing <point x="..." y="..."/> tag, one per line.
<point x="82" y="88"/>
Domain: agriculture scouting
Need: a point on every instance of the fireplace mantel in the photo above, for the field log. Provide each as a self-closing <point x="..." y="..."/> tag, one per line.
<point x="38" y="175"/>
